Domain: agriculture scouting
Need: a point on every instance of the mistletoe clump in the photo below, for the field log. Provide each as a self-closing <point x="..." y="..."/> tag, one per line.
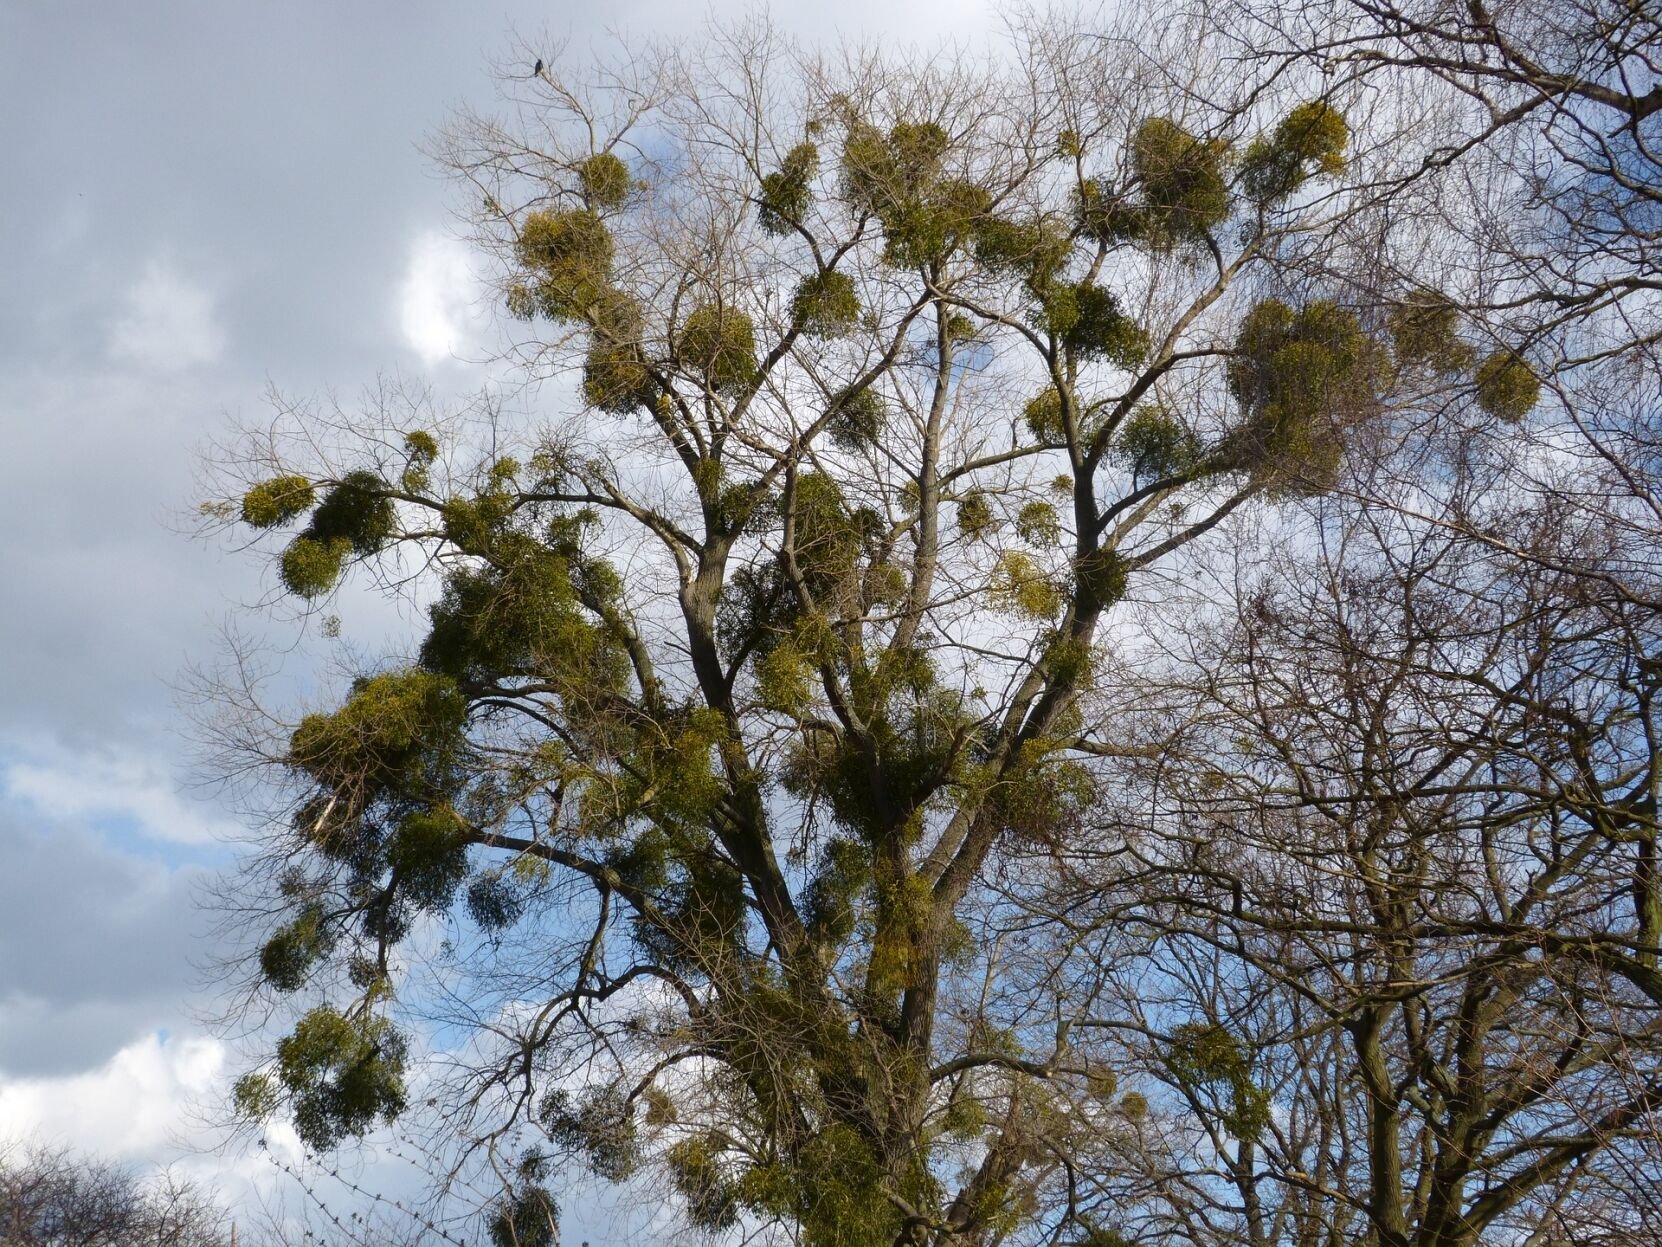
<point x="1206" y="1057"/>
<point x="899" y="178"/>
<point x="393" y="737"/>
<point x="605" y="180"/>
<point x="1155" y="444"/>
<point x="787" y="192"/>
<point x="825" y="304"/>
<point x="309" y="568"/>
<point x="1043" y="416"/>
<point x="528" y="1216"/>
<point x="568" y="256"/>
<point x="356" y="516"/>
<point x="617" y="376"/>
<point x="1185" y="192"/>
<point x="1425" y="331"/>
<point x="277" y="501"/>
<point x="288" y="956"/>
<point x="1507" y="386"/>
<point x="721" y="343"/>
<point x="858" y="419"/>
<point x="343" y="1073"/>
<point x="1302" y="377"/>
<point x="1037" y="249"/>
<point x="1088" y="321"/>
<point x="1310" y="141"/>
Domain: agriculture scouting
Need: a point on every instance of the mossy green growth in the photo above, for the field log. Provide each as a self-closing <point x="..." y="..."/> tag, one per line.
<point x="618" y="379"/>
<point x="569" y="256"/>
<point x="1102" y="576"/>
<point x="825" y="304"/>
<point x="1037" y="249"/>
<point x="528" y="1216"/>
<point x="880" y="172"/>
<point x="1097" y="1236"/>
<point x="602" y="1126"/>
<point x="1184" y="188"/>
<point x="917" y="146"/>
<point x="701" y="916"/>
<point x="521" y="300"/>
<point x="526" y="617"/>
<point x="660" y="1107"/>
<point x="788" y="192"/>
<point x="605" y="180"/>
<point x="428" y="855"/>
<point x="309" y="568"/>
<point x="721" y="343"/>
<point x="965" y="1118"/>
<point x="420" y="449"/>
<point x="1507" y="386"/>
<point x="976" y="519"/>
<point x="899" y="178"/>
<point x="1308" y="142"/>
<point x="1302" y="376"/>
<point x="1425" y="330"/>
<point x="1155" y="444"/>
<point x="1105" y="215"/>
<point x="1088" y="321"/>
<point x="924" y="230"/>
<point x="858" y="419"/>
<point x="693" y="784"/>
<point x="1043" y="416"/>
<point x="343" y="1075"/>
<point x="395" y="733"/>
<point x="696" y="1169"/>
<point x="288" y="956"/>
<point x="1038" y="524"/>
<point x="828" y="536"/>
<point x="274" y="502"/>
<point x="782" y="679"/>
<point x="903" y="910"/>
<point x="1206" y="1056"/>
<point x="835" y="1178"/>
<point x="357" y="508"/>
<point x="255" y="1097"/>
<point x="493" y="902"/>
<point x="617" y="376"/>
<point x="1043" y="798"/>
<point x="1020" y="586"/>
<point x="831" y="899"/>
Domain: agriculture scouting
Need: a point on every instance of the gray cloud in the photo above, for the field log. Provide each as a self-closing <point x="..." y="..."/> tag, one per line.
<point x="96" y="946"/>
<point x="200" y="199"/>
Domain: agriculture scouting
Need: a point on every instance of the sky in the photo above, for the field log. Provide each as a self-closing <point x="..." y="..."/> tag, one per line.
<point x="202" y="202"/>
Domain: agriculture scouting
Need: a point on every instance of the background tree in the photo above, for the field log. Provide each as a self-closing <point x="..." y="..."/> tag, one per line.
<point x="752" y="671"/>
<point x="54" y="1199"/>
<point x="1384" y="926"/>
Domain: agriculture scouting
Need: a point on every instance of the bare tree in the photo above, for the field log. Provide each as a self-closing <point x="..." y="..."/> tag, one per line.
<point x="55" y="1199"/>
<point x="1384" y="928"/>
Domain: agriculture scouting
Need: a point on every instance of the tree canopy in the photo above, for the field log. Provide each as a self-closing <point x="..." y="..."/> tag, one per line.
<point x="1027" y="673"/>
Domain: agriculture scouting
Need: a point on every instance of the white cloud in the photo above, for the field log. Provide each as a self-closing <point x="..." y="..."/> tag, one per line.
<point x="168" y="323"/>
<point x="120" y="788"/>
<point x="156" y="1102"/>
<point x="438" y="300"/>
<point x="130" y="1107"/>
